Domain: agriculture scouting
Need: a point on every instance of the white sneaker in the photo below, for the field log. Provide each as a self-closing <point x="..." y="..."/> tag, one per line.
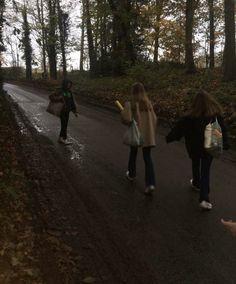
<point x="128" y="177"/>
<point x="205" y="205"/>
<point x="149" y="189"/>
<point x="193" y="186"/>
<point x="63" y="141"/>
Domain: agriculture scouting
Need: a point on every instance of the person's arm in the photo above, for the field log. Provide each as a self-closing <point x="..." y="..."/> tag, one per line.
<point x="177" y="132"/>
<point x="74" y="107"/>
<point x="230" y="226"/>
<point x="126" y="114"/>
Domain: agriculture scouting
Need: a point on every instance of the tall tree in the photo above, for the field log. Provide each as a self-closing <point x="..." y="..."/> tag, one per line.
<point x="229" y="64"/>
<point x="81" y="64"/>
<point x="159" y="8"/>
<point x="27" y="44"/>
<point x="212" y="33"/>
<point x="52" y="39"/>
<point x="42" y="38"/>
<point x="91" y="49"/>
<point x="122" y="44"/>
<point x="63" y="32"/>
<point x="191" y="5"/>
<point x="2" y="8"/>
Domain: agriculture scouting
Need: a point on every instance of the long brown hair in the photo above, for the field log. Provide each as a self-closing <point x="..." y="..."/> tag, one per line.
<point x="205" y="105"/>
<point x="139" y="96"/>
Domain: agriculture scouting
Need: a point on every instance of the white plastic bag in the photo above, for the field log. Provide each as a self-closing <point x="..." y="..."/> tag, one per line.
<point x="213" y="141"/>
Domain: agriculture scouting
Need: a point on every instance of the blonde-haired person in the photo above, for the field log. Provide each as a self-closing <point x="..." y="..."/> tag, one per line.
<point x="140" y="108"/>
<point x="205" y="109"/>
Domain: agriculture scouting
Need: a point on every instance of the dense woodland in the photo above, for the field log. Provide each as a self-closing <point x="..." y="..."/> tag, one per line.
<point x="113" y="35"/>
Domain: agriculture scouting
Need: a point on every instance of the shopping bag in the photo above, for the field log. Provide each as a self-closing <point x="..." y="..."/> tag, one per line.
<point x="55" y="108"/>
<point x="213" y="140"/>
<point x="132" y="136"/>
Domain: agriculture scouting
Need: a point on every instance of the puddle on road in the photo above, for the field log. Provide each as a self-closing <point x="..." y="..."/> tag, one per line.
<point x="37" y="123"/>
<point x="36" y="118"/>
<point x="23" y="129"/>
<point x="75" y="150"/>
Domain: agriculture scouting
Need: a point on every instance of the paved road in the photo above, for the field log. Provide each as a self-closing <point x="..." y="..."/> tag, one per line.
<point x="164" y="239"/>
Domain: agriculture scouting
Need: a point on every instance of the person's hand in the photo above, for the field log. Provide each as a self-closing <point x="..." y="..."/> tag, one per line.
<point x="230" y="226"/>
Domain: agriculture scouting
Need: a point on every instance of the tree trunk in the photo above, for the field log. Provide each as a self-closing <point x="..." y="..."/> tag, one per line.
<point x="41" y="20"/>
<point x="52" y="55"/>
<point x="229" y="51"/>
<point x="212" y="33"/>
<point x="2" y="8"/>
<point x="189" y="61"/>
<point x="159" y="7"/>
<point x="81" y="65"/>
<point x="92" y="54"/>
<point x="27" y="44"/>
<point x="103" y="37"/>
<point x="96" y="34"/>
<point x="129" y="47"/>
<point x="62" y="32"/>
<point x="122" y="44"/>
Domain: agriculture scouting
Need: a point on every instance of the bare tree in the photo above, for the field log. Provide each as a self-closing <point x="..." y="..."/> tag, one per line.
<point x="2" y="8"/>
<point x="63" y="34"/>
<point x="229" y="51"/>
<point x="42" y="40"/>
<point x="212" y="33"/>
<point x="191" y="6"/>
<point x="27" y="43"/>
<point x="159" y="7"/>
<point x="52" y="39"/>
<point x="91" y="49"/>
<point x="81" y="65"/>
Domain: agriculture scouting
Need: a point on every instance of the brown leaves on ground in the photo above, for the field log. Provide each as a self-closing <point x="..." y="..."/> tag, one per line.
<point x="17" y="238"/>
<point x="23" y="252"/>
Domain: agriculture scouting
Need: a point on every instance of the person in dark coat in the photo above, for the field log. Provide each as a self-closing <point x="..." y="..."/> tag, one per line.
<point x="205" y="109"/>
<point x="65" y="95"/>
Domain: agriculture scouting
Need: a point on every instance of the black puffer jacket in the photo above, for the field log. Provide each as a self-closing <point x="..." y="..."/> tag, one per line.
<point x="192" y="129"/>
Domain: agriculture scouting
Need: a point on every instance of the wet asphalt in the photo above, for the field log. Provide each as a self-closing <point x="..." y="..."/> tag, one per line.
<point x="165" y="238"/>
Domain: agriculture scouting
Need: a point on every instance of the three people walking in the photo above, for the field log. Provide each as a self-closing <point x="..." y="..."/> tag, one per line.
<point x="204" y="110"/>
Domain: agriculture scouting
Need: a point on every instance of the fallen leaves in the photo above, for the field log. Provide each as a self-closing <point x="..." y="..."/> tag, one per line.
<point x="17" y="259"/>
<point x="89" y="280"/>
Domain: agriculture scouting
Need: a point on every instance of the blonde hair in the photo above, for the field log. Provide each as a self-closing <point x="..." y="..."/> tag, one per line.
<point x="139" y="96"/>
<point x="205" y="105"/>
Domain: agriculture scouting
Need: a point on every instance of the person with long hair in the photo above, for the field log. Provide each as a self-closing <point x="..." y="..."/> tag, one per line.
<point x="205" y="109"/>
<point x="140" y="108"/>
<point x="65" y="95"/>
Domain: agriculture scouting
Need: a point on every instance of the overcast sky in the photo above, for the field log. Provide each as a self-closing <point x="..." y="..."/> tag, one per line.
<point x="12" y="42"/>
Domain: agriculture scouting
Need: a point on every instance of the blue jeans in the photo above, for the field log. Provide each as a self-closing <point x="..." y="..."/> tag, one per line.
<point x="201" y="176"/>
<point x="149" y="171"/>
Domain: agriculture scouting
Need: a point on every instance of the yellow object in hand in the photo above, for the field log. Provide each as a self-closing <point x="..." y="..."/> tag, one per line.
<point x="119" y="105"/>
